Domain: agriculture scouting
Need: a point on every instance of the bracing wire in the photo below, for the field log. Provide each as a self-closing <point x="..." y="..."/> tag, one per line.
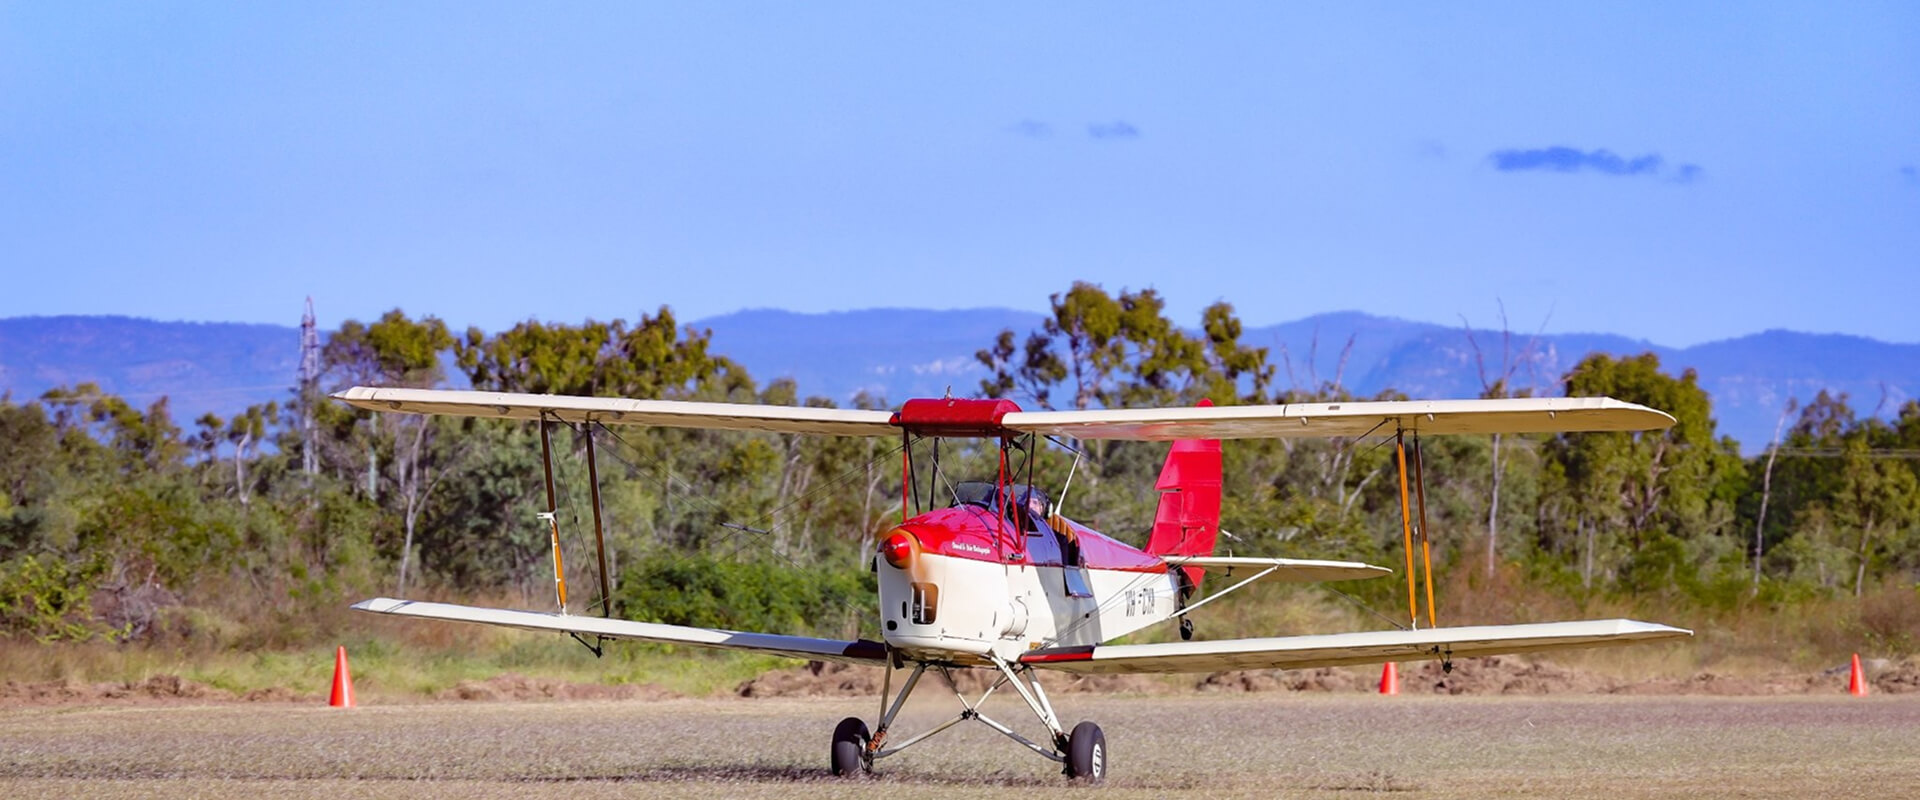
<point x="1364" y="607"/>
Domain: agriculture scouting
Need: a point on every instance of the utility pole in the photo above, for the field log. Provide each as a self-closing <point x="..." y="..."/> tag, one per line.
<point x="309" y="390"/>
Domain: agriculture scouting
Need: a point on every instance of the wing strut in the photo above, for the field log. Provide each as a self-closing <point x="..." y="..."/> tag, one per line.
<point x="1426" y="549"/>
<point x="1407" y="526"/>
<point x="553" y="508"/>
<point x="599" y="533"/>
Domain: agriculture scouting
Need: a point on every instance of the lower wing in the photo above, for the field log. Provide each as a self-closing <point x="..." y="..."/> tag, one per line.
<point x="851" y="652"/>
<point x="1327" y="650"/>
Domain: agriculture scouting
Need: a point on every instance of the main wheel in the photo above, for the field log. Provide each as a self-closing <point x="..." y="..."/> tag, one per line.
<point x="850" y="739"/>
<point x="1087" y="753"/>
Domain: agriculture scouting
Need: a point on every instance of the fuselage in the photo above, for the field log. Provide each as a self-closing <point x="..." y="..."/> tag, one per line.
<point x="977" y="582"/>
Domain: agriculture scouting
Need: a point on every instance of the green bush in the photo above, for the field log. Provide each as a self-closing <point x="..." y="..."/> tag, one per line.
<point x="49" y="599"/>
<point x="713" y="592"/>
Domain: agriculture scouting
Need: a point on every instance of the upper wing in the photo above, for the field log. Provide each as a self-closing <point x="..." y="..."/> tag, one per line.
<point x="621" y="411"/>
<point x="855" y="652"/>
<point x="1327" y="650"/>
<point x="1295" y="420"/>
<point x="1310" y="420"/>
<point x="1290" y="570"/>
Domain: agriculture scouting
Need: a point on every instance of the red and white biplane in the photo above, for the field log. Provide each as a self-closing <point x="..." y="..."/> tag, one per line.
<point x="998" y="579"/>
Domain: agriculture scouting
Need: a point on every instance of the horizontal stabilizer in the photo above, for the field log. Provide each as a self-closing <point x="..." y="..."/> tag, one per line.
<point x="849" y="652"/>
<point x="1337" y="649"/>
<point x="1289" y="570"/>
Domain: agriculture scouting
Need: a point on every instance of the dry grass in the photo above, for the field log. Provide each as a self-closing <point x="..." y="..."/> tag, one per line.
<point x="399" y="659"/>
<point x="1261" y="746"/>
<point x="389" y="666"/>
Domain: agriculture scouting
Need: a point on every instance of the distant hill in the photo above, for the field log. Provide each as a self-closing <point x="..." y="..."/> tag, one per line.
<point x="1748" y="378"/>
<point x="221" y="367"/>
<point x="901" y="353"/>
<point x="908" y="353"/>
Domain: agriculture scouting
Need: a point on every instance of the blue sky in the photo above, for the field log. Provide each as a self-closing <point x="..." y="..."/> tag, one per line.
<point x="1681" y="172"/>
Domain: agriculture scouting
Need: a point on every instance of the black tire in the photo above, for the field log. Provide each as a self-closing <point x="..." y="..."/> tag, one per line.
<point x="1087" y="753"/>
<point x="850" y="739"/>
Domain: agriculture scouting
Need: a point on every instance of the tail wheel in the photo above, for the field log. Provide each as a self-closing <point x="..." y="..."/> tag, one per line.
<point x="850" y="739"/>
<point x="1087" y="753"/>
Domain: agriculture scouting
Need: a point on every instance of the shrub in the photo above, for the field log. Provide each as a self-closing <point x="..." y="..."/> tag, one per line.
<point x="712" y="592"/>
<point x="50" y="599"/>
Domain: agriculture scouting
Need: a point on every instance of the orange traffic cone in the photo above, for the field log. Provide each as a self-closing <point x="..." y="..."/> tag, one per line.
<point x="342" y="681"/>
<point x="1857" y="682"/>
<point x="1389" y="680"/>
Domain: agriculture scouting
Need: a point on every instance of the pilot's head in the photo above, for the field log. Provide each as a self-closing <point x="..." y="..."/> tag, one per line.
<point x="1034" y="499"/>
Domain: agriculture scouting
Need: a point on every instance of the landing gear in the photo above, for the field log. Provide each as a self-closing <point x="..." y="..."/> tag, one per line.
<point x="1186" y="629"/>
<point x="1087" y="753"/>
<point x="850" y="748"/>
<point x="1083" y="753"/>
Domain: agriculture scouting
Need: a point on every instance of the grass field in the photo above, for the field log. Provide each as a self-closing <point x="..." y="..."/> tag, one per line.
<point x="1269" y="745"/>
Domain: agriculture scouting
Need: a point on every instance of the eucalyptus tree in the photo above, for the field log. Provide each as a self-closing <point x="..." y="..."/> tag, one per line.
<point x="396" y="351"/>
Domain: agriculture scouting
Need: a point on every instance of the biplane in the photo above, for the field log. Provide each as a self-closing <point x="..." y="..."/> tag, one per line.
<point x="994" y="576"/>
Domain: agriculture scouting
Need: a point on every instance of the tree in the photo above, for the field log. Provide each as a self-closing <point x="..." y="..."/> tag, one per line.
<point x="1162" y="364"/>
<point x="1877" y="496"/>
<point x="1228" y="362"/>
<point x="1649" y="486"/>
<point x="1766" y="491"/>
<point x="1499" y="386"/>
<point x="31" y="473"/>
<point x="396" y="351"/>
<point x="648" y="360"/>
<point x="1030" y="371"/>
<point x="245" y="432"/>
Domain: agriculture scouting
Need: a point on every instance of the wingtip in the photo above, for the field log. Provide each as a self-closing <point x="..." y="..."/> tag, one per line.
<point x="379" y="605"/>
<point x="1668" y="420"/>
<point x="1652" y="629"/>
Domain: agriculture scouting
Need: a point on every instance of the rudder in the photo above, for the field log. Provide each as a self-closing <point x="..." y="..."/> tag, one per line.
<point x="1187" y="521"/>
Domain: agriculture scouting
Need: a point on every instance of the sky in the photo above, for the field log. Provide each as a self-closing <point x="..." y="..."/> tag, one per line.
<point x="1679" y="172"/>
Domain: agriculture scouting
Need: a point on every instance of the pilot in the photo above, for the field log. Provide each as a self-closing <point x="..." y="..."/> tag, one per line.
<point x="1037" y="504"/>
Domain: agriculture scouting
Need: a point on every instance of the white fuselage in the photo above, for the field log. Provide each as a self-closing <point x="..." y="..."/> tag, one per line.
<point x="978" y="607"/>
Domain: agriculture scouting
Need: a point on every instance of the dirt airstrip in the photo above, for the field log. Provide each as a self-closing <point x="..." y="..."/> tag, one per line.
<point x="1498" y="675"/>
<point x="1221" y="744"/>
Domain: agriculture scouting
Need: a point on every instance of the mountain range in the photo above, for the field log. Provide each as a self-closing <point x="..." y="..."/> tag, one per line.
<point x="901" y="353"/>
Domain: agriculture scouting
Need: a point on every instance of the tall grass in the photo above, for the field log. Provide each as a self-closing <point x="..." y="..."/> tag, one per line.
<point x="238" y="645"/>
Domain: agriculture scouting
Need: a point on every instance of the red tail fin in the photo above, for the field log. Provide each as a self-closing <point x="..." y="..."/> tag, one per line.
<point x="1188" y="519"/>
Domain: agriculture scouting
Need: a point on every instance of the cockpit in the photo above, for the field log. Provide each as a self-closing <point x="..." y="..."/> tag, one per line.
<point x="1029" y="508"/>
<point x="1030" y="503"/>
